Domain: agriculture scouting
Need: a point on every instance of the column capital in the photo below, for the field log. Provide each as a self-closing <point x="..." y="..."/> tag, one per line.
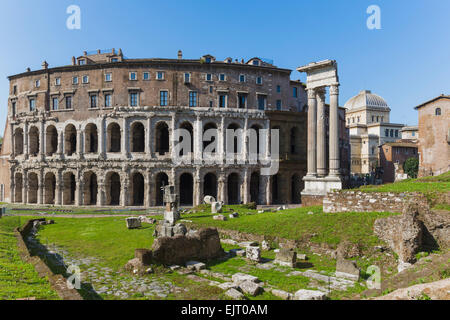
<point x="311" y="93"/>
<point x="334" y="89"/>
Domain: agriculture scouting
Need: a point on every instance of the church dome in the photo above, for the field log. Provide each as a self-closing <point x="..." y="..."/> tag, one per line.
<point x="366" y="99"/>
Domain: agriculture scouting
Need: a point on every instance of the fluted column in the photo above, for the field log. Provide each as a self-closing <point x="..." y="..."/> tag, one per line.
<point x="321" y="133"/>
<point x="222" y="187"/>
<point x="334" y="131"/>
<point x="312" y="138"/>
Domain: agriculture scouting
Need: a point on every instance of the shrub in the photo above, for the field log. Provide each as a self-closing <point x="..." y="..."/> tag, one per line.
<point x="411" y="167"/>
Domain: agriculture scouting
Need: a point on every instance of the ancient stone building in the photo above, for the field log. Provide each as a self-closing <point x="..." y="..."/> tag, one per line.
<point x="101" y="131"/>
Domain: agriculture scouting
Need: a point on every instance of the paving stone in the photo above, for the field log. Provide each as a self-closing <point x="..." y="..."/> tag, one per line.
<point x="228" y="285"/>
<point x="251" y="288"/>
<point x="241" y="277"/>
<point x="195" y="265"/>
<point x="304" y="294"/>
<point x="234" y="294"/>
<point x="282" y="294"/>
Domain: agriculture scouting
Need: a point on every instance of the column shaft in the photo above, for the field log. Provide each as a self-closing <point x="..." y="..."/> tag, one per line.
<point x="334" y="131"/>
<point x="321" y="134"/>
<point x="312" y="138"/>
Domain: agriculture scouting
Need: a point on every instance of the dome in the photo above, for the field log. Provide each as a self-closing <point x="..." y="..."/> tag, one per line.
<point x="366" y="99"/>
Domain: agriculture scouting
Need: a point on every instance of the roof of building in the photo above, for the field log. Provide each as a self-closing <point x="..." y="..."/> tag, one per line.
<point x="366" y="99"/>
<point x="442" y="96"/>
<point x="410" y="128"/>
<point x="402" y="143"/>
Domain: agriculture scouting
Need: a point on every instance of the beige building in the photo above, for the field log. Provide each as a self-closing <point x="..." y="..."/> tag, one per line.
<point x="410" y="133"/>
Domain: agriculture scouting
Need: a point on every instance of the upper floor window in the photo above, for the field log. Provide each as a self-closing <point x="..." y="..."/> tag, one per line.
<point x="75" y="80"/>
<point x="193" y="99"/>
<point x="242" y="101"/>
<point x="222" y="77"/>
<point x="255" y="62"/>
<point x="187" y="77"/>
<point x="133" y="76"/>
<point x="278" y="104"/>
<point x="108" y="77"/>
<point x="242" y="78"/>
<point x="413" y="134"/>
<point x="208" y="77"/>
<point x="134" y="99"/>
<point x="108" y="100"/>
<point x="261" y="102"/>
<point x="32" y="104"/>
<point x="358" y="119"/>
<point x="94" y="101"/>
<point x="163" y="95"/>
<point x="160" y="75"/>
<point x="223" y="100"/>
<point x="437" y="111"/>
<point x="69" y="102"/>
<point x="396" y="133"/>
<point x="259" y="80"/>
<point x="55" y="103"/>
<point x="85" y="79"/>
<point x="386" y="132"/>
<point x="373" y="118"/>
<point x="392" y="133"/>
<point x="82" y="62"/>
<point x="114" y="60"/>
<point x="382" y="119"/>
<point x="278" y="89"/>
<point x="295" y="92"/>
<point x="13" y="108"/>
<point x="378" y="119"/>
<point x="37" y="83"/>
<point x="14" y="90"/>
<point x="146" y="76"/>
<point x="57" y="81"/>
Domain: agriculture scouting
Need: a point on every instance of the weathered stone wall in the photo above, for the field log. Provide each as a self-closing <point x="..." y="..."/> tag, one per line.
<point x="357" y="201"/>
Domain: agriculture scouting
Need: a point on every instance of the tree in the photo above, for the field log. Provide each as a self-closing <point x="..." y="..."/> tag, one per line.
<point x="411" y="167"/>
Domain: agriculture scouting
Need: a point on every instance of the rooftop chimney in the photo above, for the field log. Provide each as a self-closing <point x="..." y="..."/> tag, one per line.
<point x="120" y="52"/>
<point x="180" y="54"/>
<point x="28" y="69"/>
<point x="85" y="53"/>
<point x="74" y="61"/>
<point x="44" y="65"/>
<point x="99" y="51"/>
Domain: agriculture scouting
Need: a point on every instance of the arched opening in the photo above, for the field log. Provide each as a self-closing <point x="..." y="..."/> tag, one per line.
<point x="161" y="180"/>
<point x="91" y="138"/>
<point x="207" y="127"/>
<point x="275" y="193"/>
<point x="187" y="126"/>
<point x="90" y="190"/>
<point x="33" y="183"/>
<point x="49" y="188"/>
<point x="233" y="189"/>
<point x="254" y="188"/>
<point x="137" y="137"/>
<point x="18" y="182"/>
<point x="294" y="142"/>
<point x="51" y="140"/>
<point x="18" y="141"/>
<point x="210" y="185"/>
<point x="70" y="186"/>
<point x="33" y="141"/>
<point x="237" y="139"/>
<point x="113" y="137"/>
<point x="255" y="148"/>
<point x="137" y="189"/>
<point x="70" y="140"/>
<point x="296" y="189"/>
<point x="186" y="189"/>
<point x="162" y="138"/>
<point x="113" y="189"/>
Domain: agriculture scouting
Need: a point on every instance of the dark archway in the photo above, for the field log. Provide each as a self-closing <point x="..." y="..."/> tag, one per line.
<point x="113" y="189"/>
<point x="161" y="180"/>
<point x="295" y="189"/>
<point x="210" y="185"/>
<point x="90" y="189"/>
<point x="187" y="126"/>
<point x="33" y="141"/>
<point x="237" y="139"/>
<point x="69" y="188"/>
<point x="186" y="189"/>
<point x="137" y="137"/>
<point x="207" y="127"/>
<point x="18" y="141"/>
<point x="70" y="139"/>
<point x="18" y="179"/>
<point x="162" y="138"/>
<point x="233" y="189"/>
<point x="254" y="188"/>
<point x="257" y="147"/>
<point x="51" y="138"/>
<point x="275" y="193"/>
<point x="33" y="185"/>
<point x="113" y="138"/>
<point x="137" y="189"/>
<point x="49" y="188"/>
<point x="91" y="138"/>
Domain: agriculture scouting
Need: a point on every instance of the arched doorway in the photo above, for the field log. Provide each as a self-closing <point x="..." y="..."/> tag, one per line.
<point x="90" y="189"/>
<point x="210" y="185"/>
<point x="137" y="189"/>
<point x="254" y="146"/>
<point x="70" y="139"/>
<point x="161" y="180"/>
<point x="162" y="138"/>
<point x="51" y="136"/>
<point x="91" y="138"/>
<point x="233" y="189"/>
<point x="187" y="126"/>
<point x="70" y="185"/>
<point x="33" y="141"/>
<point x="210" y="126"/>
<point x="254" y="188"/>
<point x="137" y="137"/>
<point x="113" y="138"/>
<point x="49" y="188"/>
<point x="18" y="141"/>
<point x="234" y="145"/>
<point x="113" y="189"/>
<point x="186" y="189"/>
<point x="33" y="185"/>
<point x="18" y="181"/>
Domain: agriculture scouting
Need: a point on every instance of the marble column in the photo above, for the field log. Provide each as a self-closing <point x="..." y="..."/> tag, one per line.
<point x="80" y="144"/>
<point x="124" y="192"/>
<point x="101" y="193"/>
<point x="334" y="131"/>
<point x="321" y="133"/>
<point x="312" y="138"/>
<point x="79" y="189"/>
<point x="124" y="137"/>
<point x="61" y="144"/>
<point x="222" y="188"/>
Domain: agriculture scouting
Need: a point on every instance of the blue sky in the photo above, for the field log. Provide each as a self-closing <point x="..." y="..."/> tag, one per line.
<point x="406" y="62"/>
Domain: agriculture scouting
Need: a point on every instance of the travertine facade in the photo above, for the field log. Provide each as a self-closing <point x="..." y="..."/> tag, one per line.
<point x="100" y="131"/>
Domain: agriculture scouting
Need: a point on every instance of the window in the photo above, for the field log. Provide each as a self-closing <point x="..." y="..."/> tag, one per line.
<point x="208" y="77"/>
<point x="222" y="77"/>
<point x="211" y="104"/>
<point x="242" y="78"/>
<point x="68" y="102"/>
<point x="37" y="83"/>
<point x="193" y="99"/>
<point x="134" y="99"/>
<point x="378" y="119"/>
<point x="146" y="76"/>
<point x="187" y="77"/>
<point x="160" y="75"/>
<point x="14" y="90"/>
<point x="222" y="100"/>
<point x="75" y="80"/>
<point x="55" y="103"/>
<point x="108" y="77"/>
<point x="108" y="100"/>
<point x="278" y="89"/>
<point x="82" y="62"/>
<point x="32" y="104"/>
<point x="358" y="119"/>
<point x="413" y="133"/>
<point x="295" y="93"/>
<point x="255" y="62"/>
<point x="114" y="60"/>
<point x="348" y="120"/>
<point x="259" y="80"/>
<point x="261" y="102"/>
<point x="94" y="101"/>
<point x="85" y="79"/>
<point x="13" y="108"/>
<point x="353" y="119"/>
<point x="386" y="132"/>
<point x="278" y="104"/>
<point x="133" y="76"/>
<point x="392" y="133"/>
<point x="208" y="60"/>
<point x="373" y="118"/>
<point x="163" y="98"/>
<point x="373" y="150"/>
<point x="382" y="119"/>
<point x="396" y="133"/>
<point x="242" y="101"/>
<point x="438" y="111"/>
<point x="211" y="89"/>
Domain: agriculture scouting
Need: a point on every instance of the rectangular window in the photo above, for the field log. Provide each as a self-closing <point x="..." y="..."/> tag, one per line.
<point x="94" y="101"/>
<point x="187" y="78"/>
<point x="295" y="92"/>
<point x="211" y="89"/>
<point x="413" y="133"/>
<point x="396" y="133"/>
<point x="222" y="77"/>
<point x="57" y="81"/>
<point x="211" y="104"/>
<point x="134" y="99"/>
<point x="146" y="76"/>
<point x="38" y="83"/>
<point x="133" y="76"/>
<point x="208" y="77"/>
<point x="386" y="132"/>
<point x="85" y="79"/>
<point x="14" y="90"/>
<point x="242" y="78"/>
<point x="55" y="103"/>
<point x="108" y="101"/>
<point x="242" y="101"/>
<point x="108" y="77"/>
<point x="160" y="75"/>
<point x="373" y="119"/>
<point x="278" y="104"/>
<point x="13" y="108"/>
<point x="75" y="80"/>
<point x="222" y="100"/>
<point x="82" y="62"/>
<point x="69" y="102"/>
<point x="163" y="98"/>
<point x="259" y="80"/>
<point x="32" y="104"/>
<point x="278" y="89"/>
<point x="261" y="102"/>
<point x="193" y="99"/>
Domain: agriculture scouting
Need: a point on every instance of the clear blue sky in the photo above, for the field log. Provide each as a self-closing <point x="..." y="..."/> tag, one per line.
<point x="407" y="62"/>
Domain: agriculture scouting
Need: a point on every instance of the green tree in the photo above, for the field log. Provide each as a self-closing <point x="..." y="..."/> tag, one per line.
<point x="411" y="167"/>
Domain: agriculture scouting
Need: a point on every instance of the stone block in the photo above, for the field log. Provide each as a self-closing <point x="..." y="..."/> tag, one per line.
<point x="310" y="295"/>
<point x="144" y="255"/>
<point x="265" y="245"/>
<point x="246" y="244"/>
<point x="253" y="253"/>
<point x="133" y="223"/>
<point x="282" y="294"/>
<point x="234" y="294"/>
<point x="216" y="207"/>
<point x="228" y="285"/>
<point x="241" y="277"/>
<point x="195" y="265"/>
<point x="347" y="269"/>
<point x="220" y="217"/>
<point x="251" y="288"/>
<point x="286" y="257"/>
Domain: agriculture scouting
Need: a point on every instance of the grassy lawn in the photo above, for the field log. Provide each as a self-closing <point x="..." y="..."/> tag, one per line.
<point x="18" y="279"/>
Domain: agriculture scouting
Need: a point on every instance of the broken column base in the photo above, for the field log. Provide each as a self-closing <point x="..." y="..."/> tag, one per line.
<point x="316" y="188"/>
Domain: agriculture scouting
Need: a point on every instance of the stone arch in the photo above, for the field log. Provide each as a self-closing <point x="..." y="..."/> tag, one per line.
<point x="18" y="182"/>
<point x="186" y="188"/>
<point x="233" y="186"/>
<point x="162" y="179"/>
<point x="18" y="141"/>
<point x="137" y="189"/>
<point x="33" y="141"/>
<point x="114" y="137"/>
<point x="113" y="189"/>
<point x="49" y="188"/>
<point x="256" y="127"/>
<point x="162" y="145"/>
<point x="296" y="188"/>
<point x="90" y="189"/>
<point x="137" y="137"/>
<point x="33" y="187"/>
<point x="51" y="139"/>
<point x="188" y="126"/>
<point x="91" y="138"/>
<point x="70" y="139"/>
<point x="210" y="185"/>
<point x="69" y="187"/>
<point x="255" y="185"/>
<point x="236" y="140"/>
<point x="206" y="127"/>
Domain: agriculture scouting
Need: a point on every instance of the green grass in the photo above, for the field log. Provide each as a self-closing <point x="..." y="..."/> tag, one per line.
<point x="17" y="278"/>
